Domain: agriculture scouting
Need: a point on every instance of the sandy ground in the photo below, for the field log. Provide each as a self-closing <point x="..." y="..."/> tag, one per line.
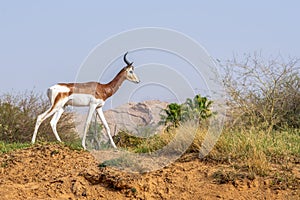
<point x="56" y="172"/>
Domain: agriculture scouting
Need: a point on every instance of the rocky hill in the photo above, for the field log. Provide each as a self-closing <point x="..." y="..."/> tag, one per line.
<point x="132" y="117"/>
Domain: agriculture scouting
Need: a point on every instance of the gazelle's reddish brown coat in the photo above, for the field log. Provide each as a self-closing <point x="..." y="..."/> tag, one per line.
<point x="100" y="91"/>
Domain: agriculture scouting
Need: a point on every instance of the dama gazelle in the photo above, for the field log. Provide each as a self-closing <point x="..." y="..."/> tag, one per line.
<point x="91" y="94"/>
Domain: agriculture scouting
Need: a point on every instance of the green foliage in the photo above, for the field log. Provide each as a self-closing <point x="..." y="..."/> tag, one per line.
<point x="125" y="140"/>
<point x="172" y="114"/>
<point x="151" y="144"/>
<point x="196" y="109"/>
<point x="7" y="147"/>
<point x="138" y="144"/>
<point x="74" y="144"/>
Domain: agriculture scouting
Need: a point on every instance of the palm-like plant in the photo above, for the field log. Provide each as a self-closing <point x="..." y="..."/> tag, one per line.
<point x="172" y="114"/>
<point x="197" y="109"/>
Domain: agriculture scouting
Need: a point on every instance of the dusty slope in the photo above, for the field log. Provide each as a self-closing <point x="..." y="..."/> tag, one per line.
<point x="56" y="172"/>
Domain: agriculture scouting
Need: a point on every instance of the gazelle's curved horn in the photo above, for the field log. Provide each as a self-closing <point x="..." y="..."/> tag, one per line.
<point x="126" y="61"/>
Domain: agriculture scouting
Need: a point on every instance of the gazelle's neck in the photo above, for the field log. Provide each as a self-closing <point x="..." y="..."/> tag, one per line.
<point x="114" y="85"/>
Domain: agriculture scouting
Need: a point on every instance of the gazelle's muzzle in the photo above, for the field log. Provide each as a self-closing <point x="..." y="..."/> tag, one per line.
<point x="135" y="79"/>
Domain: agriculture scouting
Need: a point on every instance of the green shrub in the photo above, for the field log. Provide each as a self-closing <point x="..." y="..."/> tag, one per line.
<point x="18" y="113"/>
<point x="173" y="114"/>
<point x="195" y="109"/>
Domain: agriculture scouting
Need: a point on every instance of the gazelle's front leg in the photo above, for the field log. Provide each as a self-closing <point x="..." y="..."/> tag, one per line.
<point x="87" y="123"/>
<point x="101" y="115"/>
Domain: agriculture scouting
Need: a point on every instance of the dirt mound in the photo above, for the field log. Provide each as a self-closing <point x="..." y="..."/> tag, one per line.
<point x="57" y="172"/>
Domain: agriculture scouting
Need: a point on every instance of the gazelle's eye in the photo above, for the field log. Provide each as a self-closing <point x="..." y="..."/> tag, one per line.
<point x="131" y="72"/>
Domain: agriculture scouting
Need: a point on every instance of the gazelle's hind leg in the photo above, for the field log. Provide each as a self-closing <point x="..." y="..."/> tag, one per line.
<point x="42" y="117"/>
<point x="54" y="121"/>
<point x="39" y="121"/>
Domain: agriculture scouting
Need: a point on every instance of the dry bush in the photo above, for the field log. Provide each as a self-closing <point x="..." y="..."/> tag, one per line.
<point x="263" y="94"/>
<point x="18" y="113"/>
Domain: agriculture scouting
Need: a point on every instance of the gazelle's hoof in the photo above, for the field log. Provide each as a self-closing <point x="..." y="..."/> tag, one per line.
<point x="116" y="150"/>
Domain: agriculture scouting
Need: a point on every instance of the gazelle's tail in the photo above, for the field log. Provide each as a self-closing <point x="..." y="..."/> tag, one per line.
<point x="53" y="91"/>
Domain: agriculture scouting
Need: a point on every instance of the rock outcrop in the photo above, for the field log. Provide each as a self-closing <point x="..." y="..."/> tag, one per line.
<point x="136" y="117"/>
<point x="140" y="119"/>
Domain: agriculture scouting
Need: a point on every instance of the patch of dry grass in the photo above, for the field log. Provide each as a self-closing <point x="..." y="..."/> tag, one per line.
<point x="253" y="150"/>
<point x="256" y="150"/>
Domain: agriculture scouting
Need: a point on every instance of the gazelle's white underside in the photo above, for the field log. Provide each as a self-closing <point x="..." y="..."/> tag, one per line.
<point x="79" y="100"/>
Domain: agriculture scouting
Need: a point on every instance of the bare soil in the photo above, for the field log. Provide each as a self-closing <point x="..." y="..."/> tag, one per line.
<point x="56" y="172"/>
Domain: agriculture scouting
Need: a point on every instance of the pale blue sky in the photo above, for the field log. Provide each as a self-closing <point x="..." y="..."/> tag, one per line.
<point x="45" y="42"/>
